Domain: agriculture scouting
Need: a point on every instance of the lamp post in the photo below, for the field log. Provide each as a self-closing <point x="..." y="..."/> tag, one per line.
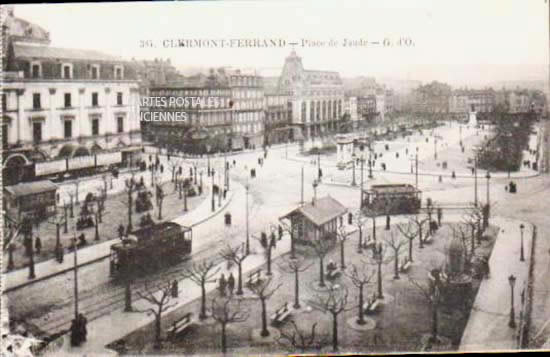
<point x="319" y="166"/>
<point x="75" y="276"/>
<point x="416" y="169"/>
<point x="521" y="255"/>
<point x="512" y="281"/>
<point x="475" y="180"/>
<point x="362" y="180"/>
<point x="353" y="183"/>
<point x="488" y="177"/>
<point x="247" y="187"/>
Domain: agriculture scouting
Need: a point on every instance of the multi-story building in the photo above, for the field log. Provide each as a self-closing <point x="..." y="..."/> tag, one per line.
<point x="248" y="104"/>
<point x="350" y="109"/>
<point x="367" y="108"/>
<point x="317" y="97"/>
<point x="278" y="118"/>
<point x="518" y="101"/>
<point x="206" y="102"/>
<point x="60" y="103"/>
<point x="463" y="101"/>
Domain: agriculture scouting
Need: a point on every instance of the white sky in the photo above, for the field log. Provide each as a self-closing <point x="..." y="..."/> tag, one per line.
<point x="458" y="41"/>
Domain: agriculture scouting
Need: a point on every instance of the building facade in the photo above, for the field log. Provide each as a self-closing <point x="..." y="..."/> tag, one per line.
<point x="317" y="97"/>
<point x="207" y="126"/>
<point x="61" y="103"/>
<point x="247" y="94"/>
<point x="278" y="118"/>
<point x="464" y="101"/>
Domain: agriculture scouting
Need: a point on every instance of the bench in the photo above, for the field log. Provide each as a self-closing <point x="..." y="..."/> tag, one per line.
<point x="254" y="277"/>
<point x="180" y="325"/>
<point x="405" y="265"/>
<point x="281" y="314"/>
<point x="371" y="306"/>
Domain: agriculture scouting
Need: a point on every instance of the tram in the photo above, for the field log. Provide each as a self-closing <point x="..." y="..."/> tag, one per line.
<point x="150" y="248"/>
<point x="391" y="199"/>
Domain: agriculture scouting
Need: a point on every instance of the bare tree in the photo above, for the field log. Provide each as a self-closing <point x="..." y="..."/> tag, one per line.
<point x="372" y="213"/>
<point x="267" y="245"/>
<point x="158" y="296"/>
<point x="334" y="302"/>
<point x="379" y="258"/>
<point x="287" y="227"/>
<point x="419" y="223"/>
<point x="12" y="230"/>
<point x="395" y="243"/>
<point x="296" y="339"/>
<point x="295" y="266"/>
<point x="160" y="199"/>
<point x="409" y="231"/>
<point x="264" y="290"/>
<point x="342" y="237"/>
<point x="226" y="311"/>
<point x="474" y="219"/>
<point x="236" y="256"/>
<point x="360" y="277"/>
<point x="322" y="247"/>
<point x="359" y="221"/>
<point x="201" y="274"/>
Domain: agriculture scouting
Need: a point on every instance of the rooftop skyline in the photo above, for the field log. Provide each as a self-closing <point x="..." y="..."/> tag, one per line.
<point x="470" y="42"/>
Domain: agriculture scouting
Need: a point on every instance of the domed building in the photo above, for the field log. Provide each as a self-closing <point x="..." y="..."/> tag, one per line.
<point x="60" y="104"/>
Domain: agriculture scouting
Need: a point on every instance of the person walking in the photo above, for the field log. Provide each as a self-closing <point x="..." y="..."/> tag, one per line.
<point x="38" y="245"/>
<point x="222" y="284"/>
<point x="231" y="283"/>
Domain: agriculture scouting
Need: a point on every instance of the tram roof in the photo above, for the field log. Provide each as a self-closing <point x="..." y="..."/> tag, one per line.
<point x="393" y="188"/>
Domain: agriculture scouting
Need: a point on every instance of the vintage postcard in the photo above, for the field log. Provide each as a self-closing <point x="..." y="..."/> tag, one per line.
<point x="238" y="178"/>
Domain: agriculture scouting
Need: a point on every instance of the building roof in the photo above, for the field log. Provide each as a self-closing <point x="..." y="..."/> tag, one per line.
<point x="29" y="51"/>
<point x="30" y="188"/>
<point x="324" y="210"/>
<point x="22" y="30"/>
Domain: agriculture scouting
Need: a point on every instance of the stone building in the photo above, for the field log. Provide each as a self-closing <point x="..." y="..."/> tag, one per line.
<point x="317" y="97"/>
<point x="60" y="103"/>
<point x="278" y="118"/>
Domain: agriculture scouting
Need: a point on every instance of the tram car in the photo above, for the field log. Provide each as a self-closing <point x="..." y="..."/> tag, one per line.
<point x="150" y="248"/>
<point x="392" y="199"/>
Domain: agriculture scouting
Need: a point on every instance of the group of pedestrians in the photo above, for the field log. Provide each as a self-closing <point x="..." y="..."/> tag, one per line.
<point x="228" y="284"/>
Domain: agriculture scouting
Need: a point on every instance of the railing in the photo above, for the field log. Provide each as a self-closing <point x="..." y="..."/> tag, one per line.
<point x="527" y="299"/>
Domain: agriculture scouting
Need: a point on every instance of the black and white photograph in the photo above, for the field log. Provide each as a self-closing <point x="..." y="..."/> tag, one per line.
<point x="275" y="177"/>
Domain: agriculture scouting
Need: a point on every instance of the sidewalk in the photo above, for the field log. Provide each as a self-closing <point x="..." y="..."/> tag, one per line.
<point x="487" y="328"/>
<point x="50" y="268"/>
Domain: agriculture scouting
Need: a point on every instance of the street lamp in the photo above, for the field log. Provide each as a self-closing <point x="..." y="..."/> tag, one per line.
<point x="247" y="187"/>
<point x="512" y="281"/>
<point x="475" y="180"/>
<point x="521" y="256"/>
<point x="353" y="183"/>
<point x="488" y="177"/>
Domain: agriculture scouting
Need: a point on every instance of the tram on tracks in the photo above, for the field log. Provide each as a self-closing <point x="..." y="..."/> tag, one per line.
<point x="391" y="199"/>
<point x="150" y="248"/>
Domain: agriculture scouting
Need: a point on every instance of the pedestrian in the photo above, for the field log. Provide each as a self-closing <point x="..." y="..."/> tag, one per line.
<point x="175" y="289"/>
<point x="75" y="333"/>
<point x="231" y="283"/>
<point x="120" y="231"/>
<point x="222" y="284"/>
<point x="82" y="326"/>
<point x="38" y="245"/>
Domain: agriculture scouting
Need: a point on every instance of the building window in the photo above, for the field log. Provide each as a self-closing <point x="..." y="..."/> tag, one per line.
<point x="118" y="72"/>
<point x="95" y="126"/>
<point x="36" y="101"/>
<point x="95" y="72"/>
<point x="119" y="98"/>
<point x="67" y="100"/>
<point x="68" y="129"/>
<point x="5" y="135"/>
<point x="36" y="132"/>
<point x="67" y="71"/>
<point x="35" y="71"/>
<point x="95" y="100"/>
<point x="120" y="124"/>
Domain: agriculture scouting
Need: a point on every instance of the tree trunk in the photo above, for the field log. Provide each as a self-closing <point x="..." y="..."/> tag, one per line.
<point x="265" y="332"/>
<point x="130" y="202"/>
<point x="434" y="322"/>
<point x="342" y="255"/>
<point x="57" y="236"/>
<point x="396" y="266"/>
<point x="128" y="297"/>
<point x="292" y="251"/>
<point x="374" y="229"/>
<point x="473" y="243"/>
<point x="157" y="330"/>
<point x="380" y="294"/>
<point x="240" y="287"/>
<point x="31" y="259"/>
<point x="269" y="259"/>
<point x="202" y="315"/>
<point x="411" y="250"/>
<point x="296" y="290"/>
<point x="360" y="247"/>
<point x="321" y="273"/>
<point x="335" y="332"/>
<point x="420" y="237"/>
<point x="361" y="320"/>
<point x="160" y="208"/>
<point x="224" y="341"/>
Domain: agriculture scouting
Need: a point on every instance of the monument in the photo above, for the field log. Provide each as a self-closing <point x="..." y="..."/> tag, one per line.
<point x="473" y="117"/>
